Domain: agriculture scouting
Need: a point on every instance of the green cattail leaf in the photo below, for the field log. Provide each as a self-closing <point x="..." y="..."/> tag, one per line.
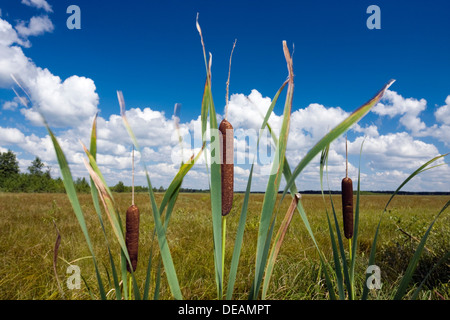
<point x="239" y="238"/>
<point x="355" y="230"/>
<point x="337" y="264"/>
<point x="160" y="231"/>
<point x="243" y="217"/>
<point x="345" y="267"/>
<point x="107" y="199"/>
<point x="215" y="178"/>
<point x="254" y="290"/>
<point x="113" y="215"/>
<point x="293" y="190"/>
<point x="178" y="180"/>
<point x="168" y="214"/>
<point x="274" y="181"/>
<point x="335" y="133"/>
<point x="94" y="194"/>
<point x="169" y="199"/>
<point x="72" y="195"/>
<point x="216" y="195"/>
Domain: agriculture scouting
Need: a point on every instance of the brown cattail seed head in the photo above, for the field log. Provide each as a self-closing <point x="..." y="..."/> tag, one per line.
<point x="132" y="235"/>
<point x="347" y="206"/>
<point x="227" y="166"/>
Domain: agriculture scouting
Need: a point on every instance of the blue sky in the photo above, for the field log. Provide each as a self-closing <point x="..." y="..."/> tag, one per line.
<point x="151" y="51"/>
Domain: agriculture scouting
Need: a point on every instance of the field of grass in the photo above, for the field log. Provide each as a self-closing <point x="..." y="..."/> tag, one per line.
<point x="28" y="236"/>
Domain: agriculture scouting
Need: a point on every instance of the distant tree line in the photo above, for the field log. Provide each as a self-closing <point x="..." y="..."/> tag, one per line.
<point x="39" y="179"/>
<point x="120" y="187"/>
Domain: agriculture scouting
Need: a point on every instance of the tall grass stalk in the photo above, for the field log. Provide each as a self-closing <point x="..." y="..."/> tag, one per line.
<point x="242" y="220"/>
<point x="267" y="220"/>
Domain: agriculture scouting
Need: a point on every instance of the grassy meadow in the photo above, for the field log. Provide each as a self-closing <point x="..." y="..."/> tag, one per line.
<point x="28" y="235"/>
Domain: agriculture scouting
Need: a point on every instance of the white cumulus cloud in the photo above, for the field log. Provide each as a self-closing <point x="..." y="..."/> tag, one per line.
<point x="409" y="110"/>
<point x="442" y="114"/>
<point x="68" y="102"/>
<point x="39" y="4"/>
<point x="35" y="27"/>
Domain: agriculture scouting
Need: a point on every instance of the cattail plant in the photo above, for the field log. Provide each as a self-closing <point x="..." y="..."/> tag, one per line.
<point x="227" y="154"/>
<point x="226" y="165"/>
<point x="347" y="199"/>
<point x="132" y="227"/>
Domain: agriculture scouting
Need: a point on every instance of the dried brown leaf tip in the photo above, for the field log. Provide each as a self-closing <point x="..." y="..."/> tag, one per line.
<point x="227" y="165"/>
<point x="132" y="235"/>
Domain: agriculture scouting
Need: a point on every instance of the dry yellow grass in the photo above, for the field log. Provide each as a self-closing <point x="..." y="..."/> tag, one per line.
<point x="28" y="236"/>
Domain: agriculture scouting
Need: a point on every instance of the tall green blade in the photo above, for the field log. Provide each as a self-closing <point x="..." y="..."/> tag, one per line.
<point x="72" y="195"/>
<point x="94" y="194"/>
<point x="175" y="184"/>
<point x="112" y="213"/>
<point x="160" y="230"/>
<point x="273" y="182"/>
<point x="107" y="199"/>
<point x="243" y="217"/>
<point x="293" y="190"/>
<point x="337" y="264"/>
<point x="355" y="230"/>
<point x="168" y="214"/>
<point x="215" y="179"/>
<point x="265" y="253"/>
<point x="239" y="238"/>
<point x="216" y="196"/>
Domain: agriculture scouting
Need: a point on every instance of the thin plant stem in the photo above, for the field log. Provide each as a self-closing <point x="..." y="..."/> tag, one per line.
<point x="224" y="232"/>
<point x="228" y="81"/>
<point x="129" y="286"/>
<point x="132" y="177"/>
<point x="350" y="249"/>
<point x="352" y="281"/>
<point x="346" y="157"/>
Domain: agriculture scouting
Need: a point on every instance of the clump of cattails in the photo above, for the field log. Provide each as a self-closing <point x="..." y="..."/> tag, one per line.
<point x="347" y="200"/>
<point x="132" y="228"/>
